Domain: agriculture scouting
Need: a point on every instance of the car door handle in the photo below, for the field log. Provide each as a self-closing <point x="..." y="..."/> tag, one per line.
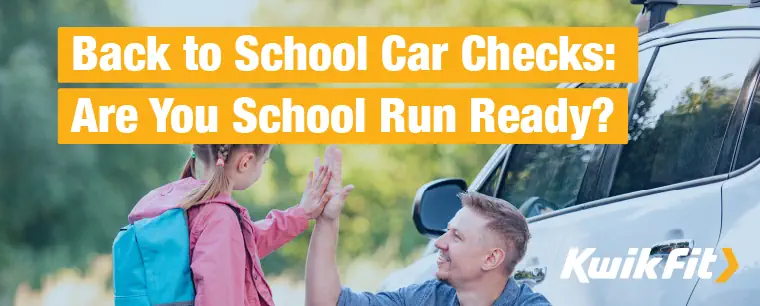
<point x="664" y="248"/>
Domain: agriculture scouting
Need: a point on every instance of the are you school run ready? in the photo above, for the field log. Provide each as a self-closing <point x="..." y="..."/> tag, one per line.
<point x="478" y="53"/>
<point x="395" y="116"/>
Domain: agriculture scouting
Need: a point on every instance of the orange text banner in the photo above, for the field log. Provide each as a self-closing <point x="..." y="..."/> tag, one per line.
<point x="347" y="55"/>
<point x="345" y="116"/>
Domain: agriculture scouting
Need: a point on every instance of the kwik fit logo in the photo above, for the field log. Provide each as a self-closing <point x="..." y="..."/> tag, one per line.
<point x="642" y="264"/>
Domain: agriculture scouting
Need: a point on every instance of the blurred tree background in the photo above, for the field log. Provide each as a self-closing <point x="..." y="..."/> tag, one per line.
<point x="61" y="205"/>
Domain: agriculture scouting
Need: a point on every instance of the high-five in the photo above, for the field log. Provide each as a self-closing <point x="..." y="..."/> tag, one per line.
<point x="486" y="239"/>
<point x="335" y="187"/>
<point x="322" y="279"/>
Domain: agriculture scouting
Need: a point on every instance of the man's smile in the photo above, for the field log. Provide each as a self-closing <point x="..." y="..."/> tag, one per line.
<point x="443" y="258"/>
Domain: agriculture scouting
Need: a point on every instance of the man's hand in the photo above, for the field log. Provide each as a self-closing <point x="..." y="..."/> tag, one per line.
<point x="335" y="204"/>
<point x="334" y="159"/>
<point x="315" y="196"/>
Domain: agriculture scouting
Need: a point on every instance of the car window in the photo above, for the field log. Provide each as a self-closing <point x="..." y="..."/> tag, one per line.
<point x="544" y="178"/>
<point x="489" y="186"/>
<point x="749" y="150"/>
<point x="678" y="123"/>
<point x="550" y="175"/>
<point x="645" y="56"/>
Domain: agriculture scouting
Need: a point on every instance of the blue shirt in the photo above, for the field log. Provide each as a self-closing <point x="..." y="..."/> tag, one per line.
<point x="437" y="293"/>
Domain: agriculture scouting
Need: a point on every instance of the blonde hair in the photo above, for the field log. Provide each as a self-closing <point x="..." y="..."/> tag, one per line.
<point x="505" y="220"/>
<point x="216" y="153"/>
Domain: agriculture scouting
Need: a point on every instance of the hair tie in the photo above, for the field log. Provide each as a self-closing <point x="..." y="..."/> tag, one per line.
<point x="192" y="155"/>
<point x="220" y="162"/>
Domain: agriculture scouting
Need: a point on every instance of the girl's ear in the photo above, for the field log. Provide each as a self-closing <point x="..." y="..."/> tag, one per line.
<point x="246" y="161"/>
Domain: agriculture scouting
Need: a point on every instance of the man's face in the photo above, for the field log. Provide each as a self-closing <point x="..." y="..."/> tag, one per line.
<point x="468" y="249"/>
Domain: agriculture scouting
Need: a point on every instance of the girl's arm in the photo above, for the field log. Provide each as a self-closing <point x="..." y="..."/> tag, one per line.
<point x="279" y="228"/>
<point x="218" y="260"/>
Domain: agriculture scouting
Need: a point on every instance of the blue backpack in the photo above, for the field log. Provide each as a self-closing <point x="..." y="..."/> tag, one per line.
<point x="151" y="262"/>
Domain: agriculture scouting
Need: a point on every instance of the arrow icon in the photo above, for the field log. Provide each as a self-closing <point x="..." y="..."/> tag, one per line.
<point x="733" y="265"/>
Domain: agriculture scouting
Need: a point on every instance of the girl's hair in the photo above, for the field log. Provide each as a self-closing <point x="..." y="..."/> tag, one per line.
<point x="217" y="154"/>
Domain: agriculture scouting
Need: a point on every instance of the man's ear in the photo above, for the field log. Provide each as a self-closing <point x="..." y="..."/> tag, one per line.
<point x="494" y="259"/>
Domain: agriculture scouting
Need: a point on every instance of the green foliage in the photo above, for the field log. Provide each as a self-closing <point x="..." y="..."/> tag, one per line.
<point x="60" y="204"/>
<point x="459" y="13"/>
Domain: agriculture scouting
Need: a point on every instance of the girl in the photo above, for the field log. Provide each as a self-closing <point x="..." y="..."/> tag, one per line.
<point x="225" y="244"/>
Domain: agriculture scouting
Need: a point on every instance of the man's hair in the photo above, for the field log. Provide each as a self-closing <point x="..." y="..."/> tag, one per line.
<point x="505" y="220"/>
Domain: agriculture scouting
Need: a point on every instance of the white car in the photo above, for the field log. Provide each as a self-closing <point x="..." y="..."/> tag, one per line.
<point x="688" y="176"/>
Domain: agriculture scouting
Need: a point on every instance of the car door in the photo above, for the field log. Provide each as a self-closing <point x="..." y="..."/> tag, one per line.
<point x="544" y="182"/>
<point x="741" y="212"/>
<point x="547" y="182"/>
<point x="664" y="186"/>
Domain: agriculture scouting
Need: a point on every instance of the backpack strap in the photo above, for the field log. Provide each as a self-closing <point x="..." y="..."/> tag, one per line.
<point x="240" y="222"/>
<point x="245" y="244"/>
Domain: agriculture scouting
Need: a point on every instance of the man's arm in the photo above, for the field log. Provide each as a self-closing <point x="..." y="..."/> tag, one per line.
<point x="323" y="286"/>
<point x="322" y="279"/>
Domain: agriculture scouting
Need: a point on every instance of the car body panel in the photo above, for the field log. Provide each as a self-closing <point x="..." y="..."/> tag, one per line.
<point x="741" y="210"/>
<point x="741" y="213"/>
<point x="639" y="222"/>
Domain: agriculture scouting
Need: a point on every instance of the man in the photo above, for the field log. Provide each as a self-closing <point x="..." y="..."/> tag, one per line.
<point x="478" y="254"/>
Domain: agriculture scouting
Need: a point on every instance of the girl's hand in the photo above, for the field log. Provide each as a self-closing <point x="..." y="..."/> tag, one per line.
<point x="315" y="196"/>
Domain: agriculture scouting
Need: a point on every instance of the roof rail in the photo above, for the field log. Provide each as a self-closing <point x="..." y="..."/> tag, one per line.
<point x="658" y="9"/>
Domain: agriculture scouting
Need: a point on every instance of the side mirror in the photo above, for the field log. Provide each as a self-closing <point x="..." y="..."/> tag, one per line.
<point x="435" y="204"/>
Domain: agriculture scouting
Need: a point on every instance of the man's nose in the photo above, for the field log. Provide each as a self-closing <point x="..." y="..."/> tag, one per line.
<point x="440" y="243"/>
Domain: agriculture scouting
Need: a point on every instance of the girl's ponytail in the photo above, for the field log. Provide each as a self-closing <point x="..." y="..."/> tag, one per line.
<point x="189" y="170"/>
<point x="218" y="183"/>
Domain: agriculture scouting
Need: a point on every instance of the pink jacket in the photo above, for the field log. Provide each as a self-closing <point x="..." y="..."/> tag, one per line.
<point x="223" y="273"/>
